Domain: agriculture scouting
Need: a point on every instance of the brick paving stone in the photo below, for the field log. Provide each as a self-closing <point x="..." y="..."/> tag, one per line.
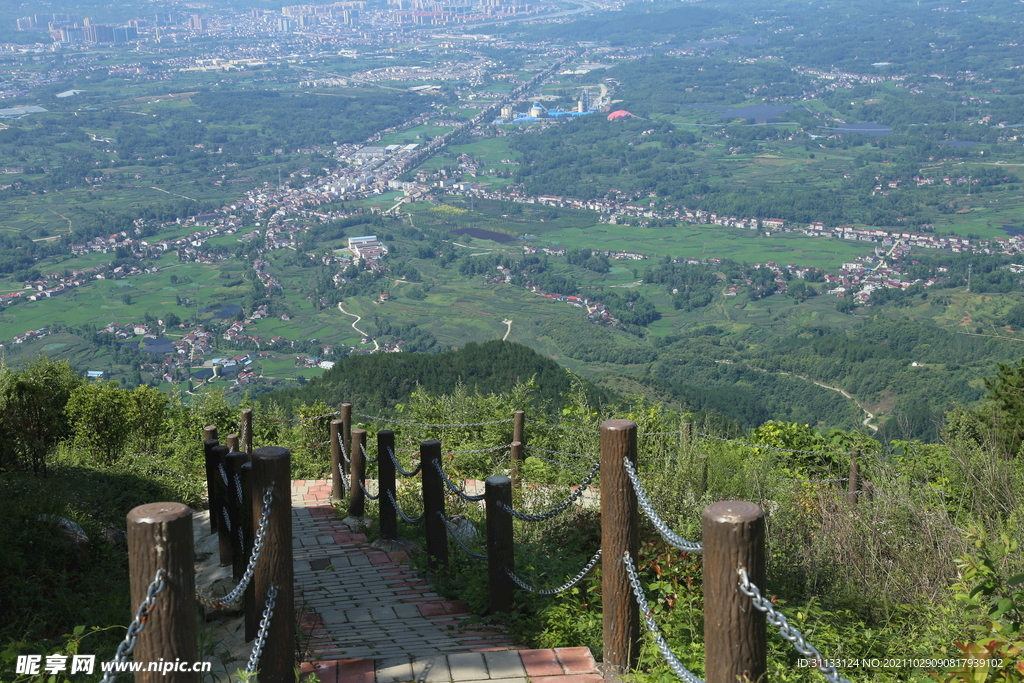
<point x="468" y="666"/>
<point x="541" y="662"/>
<point x="576" y="660"/>
<point x="572" y="678"/>
<point x="393" y="669"/>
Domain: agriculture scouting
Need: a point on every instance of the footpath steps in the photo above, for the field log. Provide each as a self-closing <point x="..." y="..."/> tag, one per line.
<point x="367" y="617"/>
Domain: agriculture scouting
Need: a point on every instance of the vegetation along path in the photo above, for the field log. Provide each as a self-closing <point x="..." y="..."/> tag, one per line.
<point x="844" y="392"/>
<point x="367" y="617"/>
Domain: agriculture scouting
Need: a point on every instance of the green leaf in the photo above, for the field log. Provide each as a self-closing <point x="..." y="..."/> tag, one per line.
<point x="1014" y="580"/>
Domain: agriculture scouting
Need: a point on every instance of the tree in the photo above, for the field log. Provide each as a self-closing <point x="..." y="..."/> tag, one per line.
<point x="99" y="413"/>
<point x="1006" y="391"/>
<point x="32" y="408"/>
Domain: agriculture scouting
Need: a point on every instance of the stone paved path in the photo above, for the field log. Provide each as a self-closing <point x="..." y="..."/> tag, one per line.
<point x="366" y="617"/>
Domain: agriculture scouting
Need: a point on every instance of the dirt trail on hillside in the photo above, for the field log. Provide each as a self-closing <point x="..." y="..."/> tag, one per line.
<point x="867" y="420"/>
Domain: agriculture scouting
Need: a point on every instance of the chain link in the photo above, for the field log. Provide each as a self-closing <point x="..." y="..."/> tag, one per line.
<point x="233" y="600"/>
<point x="561" y="589"/>
<point x="261" y="636"/>
<point x="344" y="451"/>
<point x="455" y="537"/>
<point x="428" y="424"/>
<point x="673" y="662"/>
<point x="453" y="487"/>
<point x="401" y="470"/>
<point x="673" y="539"/>
<point x="138" y="624"/>
<point x="245" y="432"/>
<point x="545" y="450"/>
<point x="367" y="493"/>
<point x="778" y="620"/>
<point x="568" y="429"/>
<point x="223" y="474"/>
<point x="560" y="464"/>
<point x="560" y="507"/>
<point x="480" y="450"/>
<point x="344" y="477"/>
<point x="401" y="513"/>
<point x="227" y="519"/>
<point x="366" y="457"/>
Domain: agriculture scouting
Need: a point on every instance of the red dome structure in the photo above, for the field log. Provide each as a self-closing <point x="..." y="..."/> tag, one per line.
<point x="619" y="115"/>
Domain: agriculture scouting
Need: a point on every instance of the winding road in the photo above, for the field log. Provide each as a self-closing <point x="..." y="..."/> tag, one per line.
<point x="376" y="346"/>
<point x="508" y="330"/>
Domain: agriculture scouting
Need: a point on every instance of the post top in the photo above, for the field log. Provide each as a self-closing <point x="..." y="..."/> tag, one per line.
<point x="356" y="430"/>
<point x="432" y="443"/>
<point x="246" y="411"/>
<point x="222" y="449"/>
<point x="386" y="431"/>
<point x="156" y="513"/>
<point x="210" y="442"/>
<point x="236" y="455"/>
<point x="338" y="421"/>
<point x="498" y="480"/>
<point x="732" y="512"/>
<point x="271" y="453"/>
<point x="617" y="425"/>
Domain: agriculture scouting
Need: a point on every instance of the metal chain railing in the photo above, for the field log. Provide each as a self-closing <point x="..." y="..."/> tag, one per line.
<point x="344" y="477"/>
<point x="560" y="464"/>
<point x="138" y="624"/>
<point x="261" y="636"/>
<point x="671" y="537"/>
<point x="561" y="589"/>
<point x="453" y="487"/>
<point x="245" y="432"/>
<point x="754" y="445"/>
<point x="401" y="470"/>
<point x="778" y="620"/>
<point x="455" y="537"/>
<point x="547" y="450"/>
<point x="401" y="513"/>
<point x="367" y="493"/>
<point x="480" y="450"/>
<point x="344" y="451"/>
<point x="638" y="592"/>
<point x="223" y="474"/>
<point x="427" y="424"/>
<point x="560" y="507"/>
<point x="568" y="429"/>
<point x="366" y="456"/>
<point x="232" y="601"/>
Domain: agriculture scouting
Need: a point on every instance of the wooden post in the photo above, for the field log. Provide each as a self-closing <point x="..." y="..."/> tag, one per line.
<point x="271" y="466"/>
<point x="516" y="462"/>
<point x="346" y="427"/>
<point x="433" y="503"/>
<point x="619" y="535"/>
<point x="210" y="432"/>
<point x="251" y="611"/>
<point x="223" y="521"/>
<point x="211" y="479"/>
<point x="519" y="426"/>
<point x="357" y="475"/>
<point x="160" y="537"/>
<point x="337" y="491"/>
<point x="386" y="485"/>
<point x="734" y="632"/>
<point x="236" y="513"/>
<point x="232" y="442"/>
<point x="245" y="426"/>
<point x="853" y="485"/>
<point x="500" y="549"/>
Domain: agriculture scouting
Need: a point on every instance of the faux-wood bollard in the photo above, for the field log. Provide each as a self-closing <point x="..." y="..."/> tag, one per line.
<point x="357" y="476"/>
<point x="250" y="610"/>
<point x="271" y="467"/>
<point x="516" y="462"/>
<point x="223" y="520"/>
<point x="500" y="549"/>
<point x="346" y="427"/>
<point x="386" y="485"/>
<point x="734" y="631"/>
<point x="853" y="485"/>
<point x="433" y="503"/>
<point x="620" y="533"/>
<point x="337" y="462"/>
<point x="160" y="537"/>
<point x="245" y="426"/>
<point x="212" y="492"/>
<point x="236" y="512"/>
